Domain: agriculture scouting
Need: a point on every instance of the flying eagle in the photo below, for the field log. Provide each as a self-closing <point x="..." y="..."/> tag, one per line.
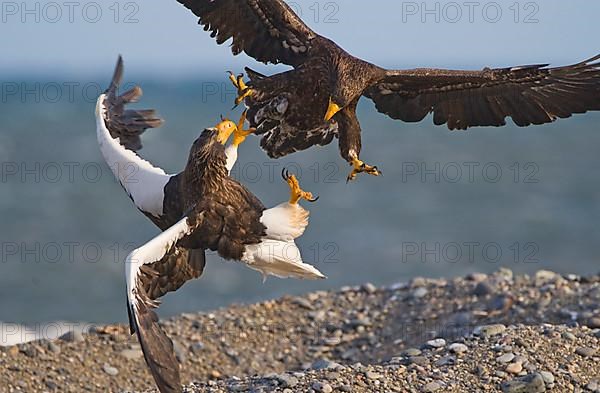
<point x="202" y="208"/>
<point x="316" y="101"/>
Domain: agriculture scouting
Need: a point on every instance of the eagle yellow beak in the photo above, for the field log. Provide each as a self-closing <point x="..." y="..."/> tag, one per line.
<point x="224" y="130"/>
<point x="332" y="110"/>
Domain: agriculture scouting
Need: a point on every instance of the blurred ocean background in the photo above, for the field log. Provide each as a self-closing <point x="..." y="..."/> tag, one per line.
<point x="450" y="203"/>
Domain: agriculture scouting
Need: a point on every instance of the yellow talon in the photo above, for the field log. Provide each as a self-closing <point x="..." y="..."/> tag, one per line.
<point x="239" y="134"/>
<point x="296" y="193"/>
<point x="360" y="167"/>
<point x="242" y="89"/>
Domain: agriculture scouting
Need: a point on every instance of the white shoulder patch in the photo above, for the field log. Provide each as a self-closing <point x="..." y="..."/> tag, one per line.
<point x="285" y="222"/>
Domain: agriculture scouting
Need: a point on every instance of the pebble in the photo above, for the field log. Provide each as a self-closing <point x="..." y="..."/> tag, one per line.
<point x="322" y="387"/>
<point x="506" y="358"/>
<point x="594" y="323"/>
<point x="372" y="375"/>
<point x="52" y="347"/>
<point x="437" y="343"/>
<point x="410" y="352"/>
<point x="286" y="380"/>
<point x="324" y="364"/>
<point x="112" y="371"/>
<point x="432" y="387"/>
<point x="419" y="293"/>
<point x="132" y="354"/>
<point x="586" y="352"/>
<point x="544" y="277"/>
<point x="180" y="352"/>
<point x="72" y="337"/>
<point x="489" y="330"/>
<point x="369" y="288"/>
<point x="304" y="303"/>
<point x="458" y="348"/>
<point x="514" y="368"/>
<point x="484" y="288"/>
<point x="593" y="386"/>
<point x="548" y="377"/>
<point x="532" y="383"/>
<point x="569" y="336"/>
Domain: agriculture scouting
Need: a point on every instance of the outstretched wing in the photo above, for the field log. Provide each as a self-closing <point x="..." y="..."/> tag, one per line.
<point x="153" y="191"/>
<point x="153" y="270"/>
<point x="267" y="30"/>
<point x="532" y="94"/>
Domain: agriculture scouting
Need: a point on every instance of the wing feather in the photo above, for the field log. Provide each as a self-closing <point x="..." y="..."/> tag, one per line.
<point x="151" y="272"/>
<point x="118" y="132"/>
<point x="533" y="94"/>
<point x="267" y="30"/>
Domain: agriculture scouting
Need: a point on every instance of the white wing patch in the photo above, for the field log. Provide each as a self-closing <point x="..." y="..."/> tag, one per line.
<point x="143" y="182"/>
<point x="278" y="255"/>
<point x="152" y="252"/>
<point x="285" y="222"/>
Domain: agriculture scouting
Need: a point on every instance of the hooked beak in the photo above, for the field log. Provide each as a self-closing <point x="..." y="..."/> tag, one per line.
<point x="332" y="110"/>
<point x="224" y="130"/>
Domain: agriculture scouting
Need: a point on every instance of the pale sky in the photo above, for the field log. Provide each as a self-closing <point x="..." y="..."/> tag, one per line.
<point x="162" y="39"/>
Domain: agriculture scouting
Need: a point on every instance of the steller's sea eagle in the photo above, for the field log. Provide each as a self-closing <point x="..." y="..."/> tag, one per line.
<point x="316" y="101"/>
<point x="202" y="208"/>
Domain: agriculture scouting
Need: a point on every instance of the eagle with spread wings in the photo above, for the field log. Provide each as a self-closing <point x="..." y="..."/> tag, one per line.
<point x="316" y="101"/>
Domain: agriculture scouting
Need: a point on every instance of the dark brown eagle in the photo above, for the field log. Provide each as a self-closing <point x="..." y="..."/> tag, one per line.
<point x="201" y="208"/>
<point x="316" y="101"/>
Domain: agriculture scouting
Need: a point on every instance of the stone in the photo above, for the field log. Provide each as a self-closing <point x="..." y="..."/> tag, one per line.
<point x="544" y="277"/>
<point x="489" y="330"/>
<point x="594" y="323"/>
<point x="431" y="387"/>
<point x="110" y="370"/>
<point x="132" y="354"/>
<point x="458" y="348"/>
<point x="514" y="368"/>
<point x="532" y="383"/>
<point x="286" y="380"/>
<point x="322" y="387"/>
<point x="52" y="347"/>
<point x="548" y="377"/>
<point x="586" y="352"/>
<point x="372" y="375"/>
<point x="369" y="288"/>
<point x="437" y="343"/>
<point x="419" y="293"/>
<point x="412" y="352"/>
<point x="72" y="337"/>
<point x="324" y="364"/>
<point x="483" y="289"/>
<point x="506" y="358"/>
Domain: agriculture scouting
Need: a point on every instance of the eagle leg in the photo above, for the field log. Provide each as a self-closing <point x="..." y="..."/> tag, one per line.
<point x="240" y="134"/>
<point x="360" y="167"/>
<point x="296" y="193"/>
<point x="243" y="90"/>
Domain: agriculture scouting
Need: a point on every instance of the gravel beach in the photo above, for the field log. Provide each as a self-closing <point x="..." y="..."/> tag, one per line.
<point x="481" y="333"/>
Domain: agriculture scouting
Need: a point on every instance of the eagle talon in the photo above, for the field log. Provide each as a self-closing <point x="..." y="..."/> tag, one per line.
<point x="243" y="90"/>
<point x="296" y="193"/>
<point x="361" y="167"/>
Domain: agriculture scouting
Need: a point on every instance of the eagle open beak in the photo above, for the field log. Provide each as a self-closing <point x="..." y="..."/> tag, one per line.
<point x="332" y="110"/>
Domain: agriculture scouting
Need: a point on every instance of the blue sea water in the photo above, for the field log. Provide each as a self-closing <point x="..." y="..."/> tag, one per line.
<point x="449" y="203"/>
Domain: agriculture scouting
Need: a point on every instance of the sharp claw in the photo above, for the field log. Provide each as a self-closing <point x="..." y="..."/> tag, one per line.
<point x="283" y="174"/>
<point x="313" y="200"/>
